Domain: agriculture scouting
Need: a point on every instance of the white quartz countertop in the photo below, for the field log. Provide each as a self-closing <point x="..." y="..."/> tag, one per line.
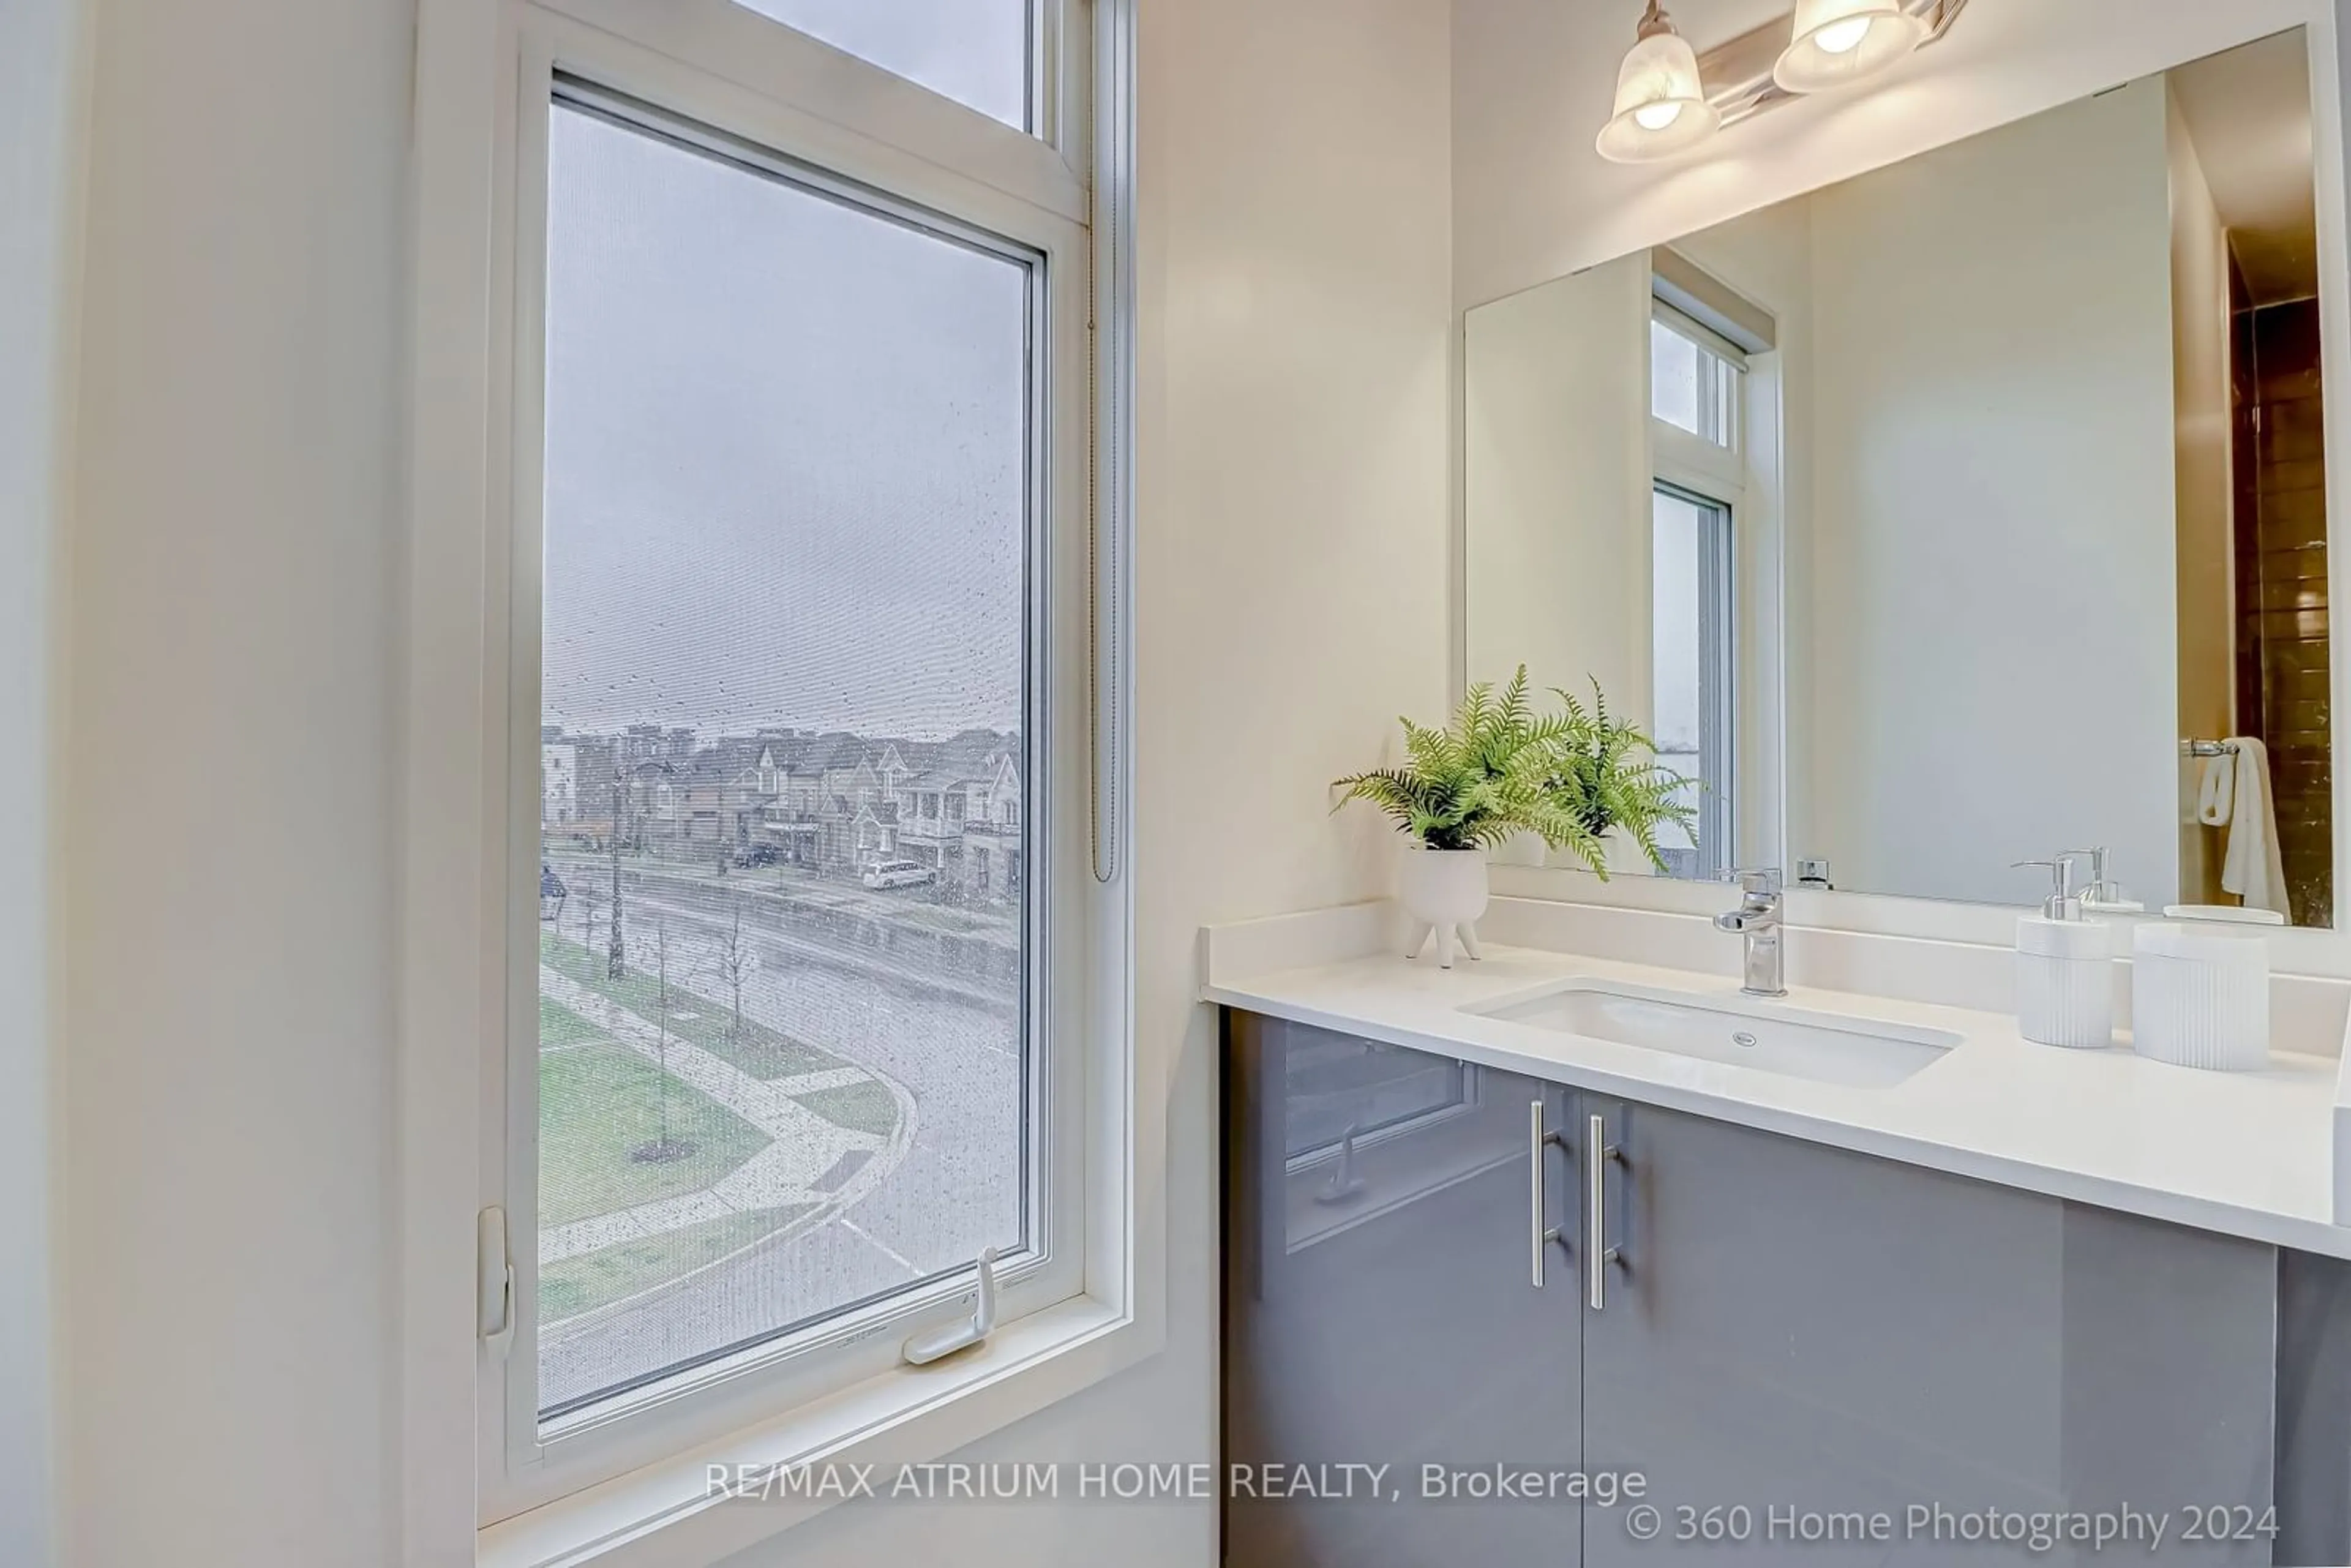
<point x="2246" y="1154"/>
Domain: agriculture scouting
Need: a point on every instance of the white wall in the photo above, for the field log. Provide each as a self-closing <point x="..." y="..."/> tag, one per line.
<point x="228" y="1229"/>
<point x="226" y="812"/>
<point x="2204" y="484"/>
<point x="42" y="110"/>
<point x="1557" y="484"/>
<point x="1292" y="572"/>
<point x="1994" y="579"/>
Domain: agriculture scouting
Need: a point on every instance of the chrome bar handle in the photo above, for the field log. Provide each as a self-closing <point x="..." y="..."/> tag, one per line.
<point x="1599" y="1151"/>
<point x="1539" y="1236"/>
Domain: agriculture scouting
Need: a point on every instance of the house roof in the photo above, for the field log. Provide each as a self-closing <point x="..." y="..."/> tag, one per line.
<point x="805" y="753"/>
<point x="730" y="758"/>
<point x="969" y="756"/>
<point x="974" y="757"/>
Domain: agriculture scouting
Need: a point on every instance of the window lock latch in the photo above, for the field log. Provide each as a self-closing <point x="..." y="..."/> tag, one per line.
<point x="493" y="1307"/>
<point x="921" y="1349"/>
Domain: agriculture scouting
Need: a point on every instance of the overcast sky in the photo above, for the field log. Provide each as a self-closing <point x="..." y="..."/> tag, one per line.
<point x="785" y="439"/>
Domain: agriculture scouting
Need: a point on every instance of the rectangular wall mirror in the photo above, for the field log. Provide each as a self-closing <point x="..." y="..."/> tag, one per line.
<point x="1963" y="513"/>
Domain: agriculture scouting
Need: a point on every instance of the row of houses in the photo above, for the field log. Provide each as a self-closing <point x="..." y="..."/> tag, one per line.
<point x="834" y="802"/>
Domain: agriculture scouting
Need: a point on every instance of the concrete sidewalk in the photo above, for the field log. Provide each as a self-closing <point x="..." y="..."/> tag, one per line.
<point x="803" y="1147"/>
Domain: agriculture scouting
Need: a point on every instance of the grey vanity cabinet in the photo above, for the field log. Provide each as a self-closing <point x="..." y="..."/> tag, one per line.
<point x="1790" y="1340"/>
<point x="1799" y="1342"/>
<point x="1380" y="1310"/>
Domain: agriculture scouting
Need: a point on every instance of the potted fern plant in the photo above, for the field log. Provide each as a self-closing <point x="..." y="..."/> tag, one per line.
<point x="1500" y="769"/>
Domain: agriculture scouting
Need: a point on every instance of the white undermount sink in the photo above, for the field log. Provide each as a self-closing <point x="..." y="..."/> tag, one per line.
<point x="1822" y="1047"/>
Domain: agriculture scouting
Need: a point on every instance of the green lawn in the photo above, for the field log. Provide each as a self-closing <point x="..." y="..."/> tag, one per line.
<point x="596" y="1103"/>
<point x="761" y="1051"/>
<point x="860" y="1107"/>
<point x="592" y="1279"/>
<point x="558" y="1025"/>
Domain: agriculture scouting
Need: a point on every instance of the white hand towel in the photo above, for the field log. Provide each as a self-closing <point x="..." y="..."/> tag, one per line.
<point x="2252" y="869"/>
<point x="2217" y="792"/>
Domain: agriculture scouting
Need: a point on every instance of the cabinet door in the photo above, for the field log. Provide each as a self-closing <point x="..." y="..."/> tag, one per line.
<point x="2313" y="1419"/>
<point x="1381" y="1315"/>
<point x="1802" y="1343"/>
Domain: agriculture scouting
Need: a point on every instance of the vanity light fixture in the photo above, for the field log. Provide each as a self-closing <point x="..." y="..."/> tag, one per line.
<point x="1661" y="106"/>
<point x="1839" y="42"/>
<point x="1670" y="99"/>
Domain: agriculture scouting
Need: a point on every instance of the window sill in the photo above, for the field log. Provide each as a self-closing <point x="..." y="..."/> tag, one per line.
<point x="673" y="1515"/>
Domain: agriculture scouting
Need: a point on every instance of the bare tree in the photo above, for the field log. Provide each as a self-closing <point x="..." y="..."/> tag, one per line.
<point x="736" y="964"/>
<point x="667" y="1146"/>
<point x="660" y="995"/>
<point x="591" y="903"/>
<point x="616" y="955"/>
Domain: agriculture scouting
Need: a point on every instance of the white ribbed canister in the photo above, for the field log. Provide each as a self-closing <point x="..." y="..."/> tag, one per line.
<point x="2200" y="996"/>
<point x="2066" y="982"/>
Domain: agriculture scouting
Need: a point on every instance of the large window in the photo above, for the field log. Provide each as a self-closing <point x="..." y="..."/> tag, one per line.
<point x="1696" y="405"/>
<point x="795" y="949"/>
<point x="782" y="1066"/>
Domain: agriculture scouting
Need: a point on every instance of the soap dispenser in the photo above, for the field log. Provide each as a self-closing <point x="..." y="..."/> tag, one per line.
<point x="2065" y="969"/>
<point x="2102" y="895"/>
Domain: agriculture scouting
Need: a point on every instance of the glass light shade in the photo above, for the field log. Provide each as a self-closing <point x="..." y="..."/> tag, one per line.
<point x="1661" y="108"/>
<point x="1839" y="42"/>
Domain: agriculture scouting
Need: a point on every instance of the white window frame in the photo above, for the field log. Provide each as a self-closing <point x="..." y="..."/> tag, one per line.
<point x="1710" y="468"/>
<point x="1718" y="667"/>
<point x="603" y="1488"/>
<point x="1712" y="461"/>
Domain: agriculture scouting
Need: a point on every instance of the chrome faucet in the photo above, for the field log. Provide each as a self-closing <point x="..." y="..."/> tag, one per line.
<point x="1756" y="918"/>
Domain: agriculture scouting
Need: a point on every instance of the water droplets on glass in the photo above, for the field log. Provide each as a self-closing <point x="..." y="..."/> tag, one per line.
<point x="783" y="1059"/>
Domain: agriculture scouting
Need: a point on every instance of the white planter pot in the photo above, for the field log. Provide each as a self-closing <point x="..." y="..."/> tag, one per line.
<point x="1445" y="891"/>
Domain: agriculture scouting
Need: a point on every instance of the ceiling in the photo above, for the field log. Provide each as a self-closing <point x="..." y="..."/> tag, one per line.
<point x="2248" y="113"/>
